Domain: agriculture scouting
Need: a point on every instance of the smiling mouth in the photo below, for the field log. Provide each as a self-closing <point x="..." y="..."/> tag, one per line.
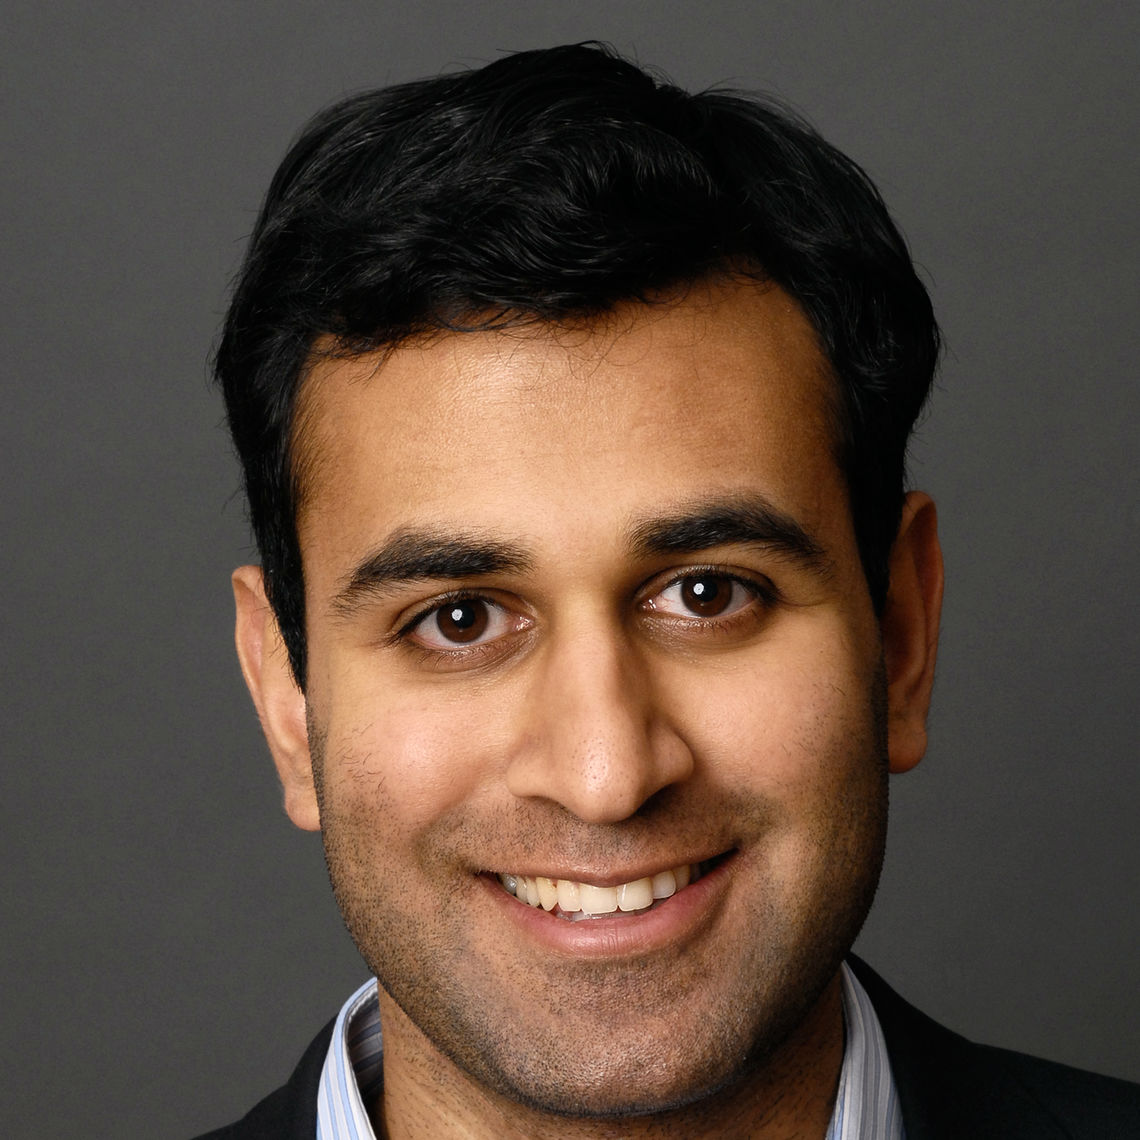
<point x="574" y="901"/>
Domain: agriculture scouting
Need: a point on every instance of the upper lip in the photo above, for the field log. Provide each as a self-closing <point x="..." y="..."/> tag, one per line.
<point x="609" y="877"/>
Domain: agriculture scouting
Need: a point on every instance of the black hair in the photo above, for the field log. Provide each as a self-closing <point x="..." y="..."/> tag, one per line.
<point x="552" y="185"/>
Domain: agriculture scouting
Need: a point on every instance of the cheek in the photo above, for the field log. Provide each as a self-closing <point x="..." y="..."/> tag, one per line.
<point x="803" y="740"/>
<point x="398" y="765"/>
<point x="793" y="724"/>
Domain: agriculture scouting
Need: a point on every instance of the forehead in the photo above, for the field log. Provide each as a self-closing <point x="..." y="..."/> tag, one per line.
<point x="722" y="389"/>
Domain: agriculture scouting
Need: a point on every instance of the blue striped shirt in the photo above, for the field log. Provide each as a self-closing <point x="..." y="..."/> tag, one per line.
<point x="866" y="1105"/>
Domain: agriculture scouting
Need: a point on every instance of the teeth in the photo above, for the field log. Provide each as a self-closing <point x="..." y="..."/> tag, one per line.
<point x="547" y="892"/>
<point x="598" y="900"/>
<point x="583" y="900"/>
<point x="636" y="895"/>
<point x="569" y="897"/>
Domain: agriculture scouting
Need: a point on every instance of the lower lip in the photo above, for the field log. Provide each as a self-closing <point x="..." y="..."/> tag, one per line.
<point x="673" y="921"/>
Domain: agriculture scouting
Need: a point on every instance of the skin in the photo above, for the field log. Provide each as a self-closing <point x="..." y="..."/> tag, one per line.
<point x="598" y="728"/>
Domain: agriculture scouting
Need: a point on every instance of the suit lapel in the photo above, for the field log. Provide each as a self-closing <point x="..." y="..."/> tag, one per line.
<point x="950" y="1088"/>
<point x="290" y="1113"/>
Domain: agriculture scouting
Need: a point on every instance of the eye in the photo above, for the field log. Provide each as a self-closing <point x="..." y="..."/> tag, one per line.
<point x="461" y="622"/>
<point x="704" y="595"/>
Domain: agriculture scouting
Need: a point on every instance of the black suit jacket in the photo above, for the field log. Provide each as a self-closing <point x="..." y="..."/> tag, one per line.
<point x="950" y="1088"/>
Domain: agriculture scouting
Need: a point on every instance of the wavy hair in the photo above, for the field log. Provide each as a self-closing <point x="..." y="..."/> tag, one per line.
<point x="552" y="185"/>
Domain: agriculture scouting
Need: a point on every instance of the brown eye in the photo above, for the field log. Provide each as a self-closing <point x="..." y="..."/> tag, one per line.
<point x="462" y="626"/>
<point x="463" y="621"/>
<point x="707" y="595"/>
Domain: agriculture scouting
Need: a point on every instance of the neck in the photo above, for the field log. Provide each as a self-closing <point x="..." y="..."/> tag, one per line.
<point x="790" y="1095"/>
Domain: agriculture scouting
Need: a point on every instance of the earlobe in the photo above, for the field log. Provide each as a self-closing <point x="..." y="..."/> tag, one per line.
<point x="279" y="702"/>
<point x="909" y="627"/>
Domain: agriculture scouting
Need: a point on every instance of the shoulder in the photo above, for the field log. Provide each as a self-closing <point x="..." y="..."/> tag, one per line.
<point x="1087" y="1104"/>
<point x="291" y="1111"/>
<point x="950" y="1087"/>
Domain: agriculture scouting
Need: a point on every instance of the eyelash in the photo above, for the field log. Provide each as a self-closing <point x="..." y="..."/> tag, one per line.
<point x="762" y="591"/>
<point x="455" y="597"/>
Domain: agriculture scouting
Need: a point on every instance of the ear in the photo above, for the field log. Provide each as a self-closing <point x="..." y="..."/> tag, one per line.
<point x="280" y="703"/>
<point x="909" y="627"/>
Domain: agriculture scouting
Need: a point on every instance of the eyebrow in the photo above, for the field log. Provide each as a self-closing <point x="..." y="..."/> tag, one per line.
<point x="425" y="554"/>
<point x="419" y="555"/>
<point x="735" y="520"/>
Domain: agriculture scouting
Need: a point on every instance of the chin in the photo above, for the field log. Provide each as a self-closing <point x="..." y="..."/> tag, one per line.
<point x="588" y="1059"/>
<point x="616" y="1082"/>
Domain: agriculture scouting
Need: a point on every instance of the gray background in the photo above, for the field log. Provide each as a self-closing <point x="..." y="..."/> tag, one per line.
<point x="169" y="942"/>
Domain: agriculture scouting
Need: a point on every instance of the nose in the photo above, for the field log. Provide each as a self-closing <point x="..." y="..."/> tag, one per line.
<point x="595" y="740"/>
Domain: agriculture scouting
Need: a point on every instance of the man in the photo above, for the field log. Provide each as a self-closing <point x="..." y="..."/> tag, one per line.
<point x="592" y="614"/>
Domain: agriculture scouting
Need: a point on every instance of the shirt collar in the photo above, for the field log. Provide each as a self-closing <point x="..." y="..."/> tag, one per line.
<point x="353" y="1071"/>
<point x="866" y="1105"/>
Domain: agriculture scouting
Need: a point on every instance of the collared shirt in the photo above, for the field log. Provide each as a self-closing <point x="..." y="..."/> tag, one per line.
<point x="866" y="1105"/>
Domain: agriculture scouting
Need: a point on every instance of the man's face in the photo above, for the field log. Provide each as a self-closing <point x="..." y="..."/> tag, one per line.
<point x="585" y="605"/>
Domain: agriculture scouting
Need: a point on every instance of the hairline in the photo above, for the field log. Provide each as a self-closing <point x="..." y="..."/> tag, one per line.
<point x="306" y="453"/>
<point x="305" y="457"/>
